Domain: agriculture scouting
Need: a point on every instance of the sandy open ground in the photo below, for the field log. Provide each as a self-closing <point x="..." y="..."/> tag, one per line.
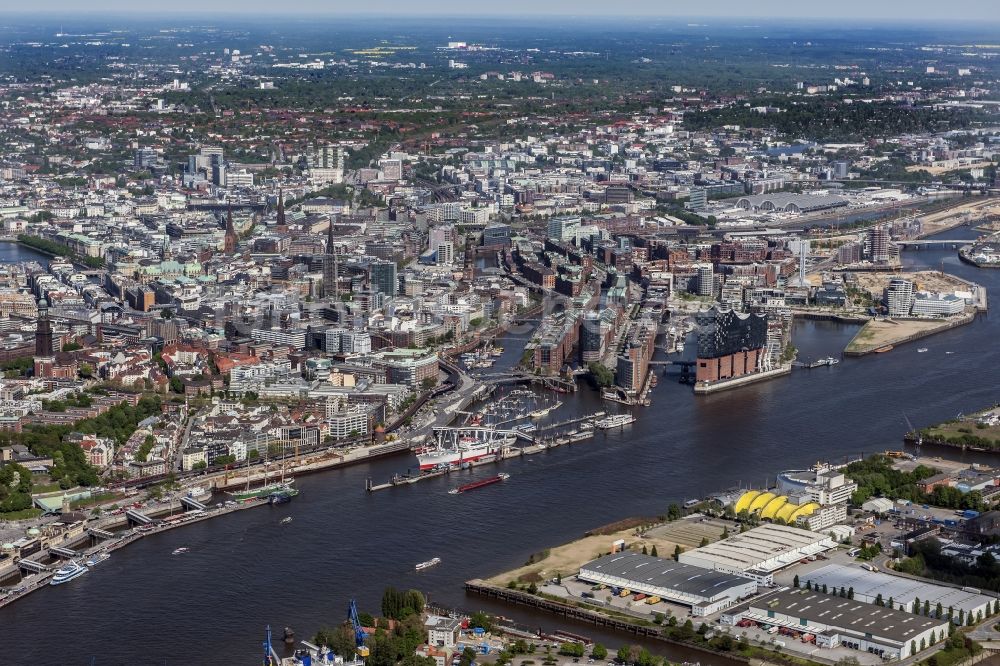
<point x="874" y="283"/>
<point x="879" y="333"/>
<point x="567" y="559"/>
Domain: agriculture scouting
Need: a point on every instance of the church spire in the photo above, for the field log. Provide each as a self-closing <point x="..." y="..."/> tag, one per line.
<point x="281" y="208"/>
<point x="230" y="241"/>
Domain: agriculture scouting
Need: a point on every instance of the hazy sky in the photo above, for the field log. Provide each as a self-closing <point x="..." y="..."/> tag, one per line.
<point x="850" y="10"/>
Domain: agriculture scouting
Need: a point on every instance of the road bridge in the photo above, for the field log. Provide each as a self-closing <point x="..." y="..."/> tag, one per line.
<point x="931" y="243"/>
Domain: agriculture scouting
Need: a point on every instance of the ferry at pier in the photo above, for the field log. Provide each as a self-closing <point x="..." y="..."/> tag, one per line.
<point x="429" y="563"/>
<point x="67" y="573"/>
<point x="97" y="558"/>
<point x="615" y="421"/>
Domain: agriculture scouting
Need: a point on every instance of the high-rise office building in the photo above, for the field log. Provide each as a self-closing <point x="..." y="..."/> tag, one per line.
<point x="898" y="297"/>
<point x="145" y="158"/>
<point x="326" y="163"/>
<point x="706" y="280"/>
<point x="383" y="278"/>
<point x="877" y="248"/>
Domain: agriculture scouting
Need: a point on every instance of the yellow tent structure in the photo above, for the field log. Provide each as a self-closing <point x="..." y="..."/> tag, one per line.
<point x="744" y="502"/>
<point x="769" y="506"/>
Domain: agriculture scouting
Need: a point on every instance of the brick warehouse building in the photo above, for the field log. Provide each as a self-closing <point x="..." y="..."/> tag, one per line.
<point x="730" y="344"/>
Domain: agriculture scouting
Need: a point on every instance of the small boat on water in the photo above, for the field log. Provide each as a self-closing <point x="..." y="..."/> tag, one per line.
<point x="543" y="411"/>
<point x="283" y="496"/>
<point x="286" y="520"/>
<point x="882" y="350"/>
<point x="502" y="476"/>
<point x="67" y="573"/>
<point x="429" y="563"/>
<point x="97" y="558"/>
<point x="922" y="350"/>
<point x="180" y="551"/>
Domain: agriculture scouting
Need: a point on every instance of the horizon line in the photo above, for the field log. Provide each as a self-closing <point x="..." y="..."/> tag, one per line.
<point x="514" y="17"/>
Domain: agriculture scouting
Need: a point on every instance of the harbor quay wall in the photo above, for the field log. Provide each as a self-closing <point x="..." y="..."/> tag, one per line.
<point x="704" y="388"/>
<point x="596" y="618"/>
<point x="830" y="316"/>
<point x="961" y="320"/>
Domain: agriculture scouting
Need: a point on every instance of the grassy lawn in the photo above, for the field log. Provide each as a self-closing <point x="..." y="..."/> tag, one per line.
<point x="93" y="500"/>
<point x="42" y="488"/>
<point x="23" y="514"/>
<point x="958" y="429"/>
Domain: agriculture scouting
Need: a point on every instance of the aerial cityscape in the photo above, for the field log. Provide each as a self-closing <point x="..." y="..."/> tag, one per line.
<point x="501" y="336"/>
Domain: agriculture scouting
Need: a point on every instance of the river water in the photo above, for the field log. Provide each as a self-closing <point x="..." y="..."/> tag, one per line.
<point x="12" y="253"/>
<point x="145" y="606"/>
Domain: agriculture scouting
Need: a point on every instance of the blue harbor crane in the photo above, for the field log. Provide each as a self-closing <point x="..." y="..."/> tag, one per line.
<point x="270" y="656"/>
<point x="359" y="632"/>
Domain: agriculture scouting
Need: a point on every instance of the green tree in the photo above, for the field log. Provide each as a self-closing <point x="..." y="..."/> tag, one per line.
<point x="602" y="375"/>
<point x="481" y="620"/>
<point x="599" y="652"/>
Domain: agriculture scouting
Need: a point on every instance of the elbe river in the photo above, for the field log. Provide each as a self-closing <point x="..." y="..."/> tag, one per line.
<point x="244" y="571"/>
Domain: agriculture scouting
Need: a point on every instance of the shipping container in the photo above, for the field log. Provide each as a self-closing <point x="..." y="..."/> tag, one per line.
<point x="624" y="593"/>
<point x="652" y="600"/>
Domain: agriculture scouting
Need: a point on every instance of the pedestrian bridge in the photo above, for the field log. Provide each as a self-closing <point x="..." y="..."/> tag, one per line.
<point x="192" y="503"/>
<point x="63" y="552"/>
<point x="138" y="518"/>
<point x="32" y="566"/>
<point x="99" y="533"/>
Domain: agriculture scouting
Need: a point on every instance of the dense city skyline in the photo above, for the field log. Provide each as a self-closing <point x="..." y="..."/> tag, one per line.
<point x="666" y="329"/>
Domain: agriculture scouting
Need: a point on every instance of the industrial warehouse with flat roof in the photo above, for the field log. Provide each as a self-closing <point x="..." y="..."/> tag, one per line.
<point x="868" y="586"/>
<point x="704" y="590"/>
<point x="836" y="621"/>
<point x="757" y="553"/>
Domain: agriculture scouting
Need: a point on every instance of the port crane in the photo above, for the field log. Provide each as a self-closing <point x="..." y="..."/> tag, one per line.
<point x="919" y="438"/>
<point x="270" y="656"/>
<point x="359" y="632"/>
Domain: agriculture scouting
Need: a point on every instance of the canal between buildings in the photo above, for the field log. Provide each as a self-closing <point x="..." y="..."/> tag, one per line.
<point x="245" y="570"/>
